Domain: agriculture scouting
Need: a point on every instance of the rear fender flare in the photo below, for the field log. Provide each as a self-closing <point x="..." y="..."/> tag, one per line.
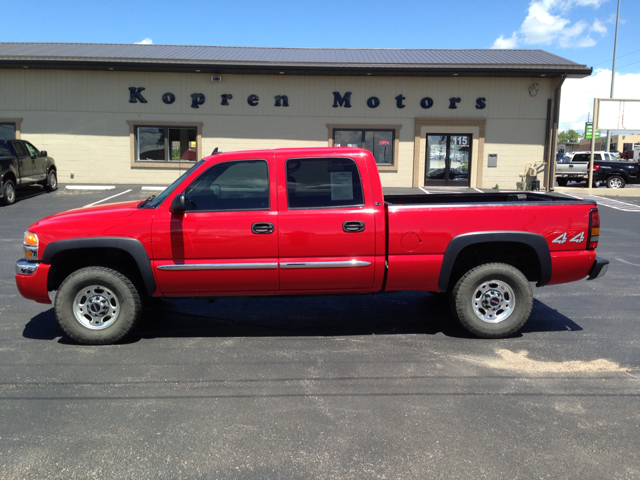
<point x="129" y="245"/>
<point x="457" y="244"/>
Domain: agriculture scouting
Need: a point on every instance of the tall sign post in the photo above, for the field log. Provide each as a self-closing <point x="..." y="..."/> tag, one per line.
<point x="594" y="126"/>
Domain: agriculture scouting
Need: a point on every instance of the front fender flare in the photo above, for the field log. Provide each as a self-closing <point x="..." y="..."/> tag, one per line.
<point x="129" y="245"/>
<point x="457" y="244"/>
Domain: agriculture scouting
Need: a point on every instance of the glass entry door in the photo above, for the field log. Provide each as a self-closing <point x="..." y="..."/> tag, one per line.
<point x="448" y="160"/>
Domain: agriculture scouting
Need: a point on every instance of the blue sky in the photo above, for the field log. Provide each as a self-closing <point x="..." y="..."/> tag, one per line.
<point x="580" y="30"/>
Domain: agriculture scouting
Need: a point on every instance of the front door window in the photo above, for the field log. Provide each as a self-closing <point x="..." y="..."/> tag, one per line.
<point x="448" y="159"/>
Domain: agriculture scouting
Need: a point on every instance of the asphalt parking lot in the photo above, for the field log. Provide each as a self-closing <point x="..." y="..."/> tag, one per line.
<point x="382" y="386"/>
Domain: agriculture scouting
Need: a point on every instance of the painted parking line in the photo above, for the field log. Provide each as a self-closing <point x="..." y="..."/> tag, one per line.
<point x="423" y="190"/>
<point x="108" y="198"/>
<point x="90" y="187"/>
<point x="609" y="202"/>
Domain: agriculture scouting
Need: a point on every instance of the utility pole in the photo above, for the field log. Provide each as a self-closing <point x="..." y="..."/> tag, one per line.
<point x="613" y="71"/>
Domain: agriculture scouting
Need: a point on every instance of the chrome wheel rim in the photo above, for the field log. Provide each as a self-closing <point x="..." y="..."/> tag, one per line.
<point x="493" y="301"/>
<point x="10" y="192"/>
<point x="96" y="307"/>
<point x="53" y="181"/>
<point x="615" y="182"/>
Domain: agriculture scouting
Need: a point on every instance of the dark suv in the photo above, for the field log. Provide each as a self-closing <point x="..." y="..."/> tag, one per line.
<point x="21" y="165"/>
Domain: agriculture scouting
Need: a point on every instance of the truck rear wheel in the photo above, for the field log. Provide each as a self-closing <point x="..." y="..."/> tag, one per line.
<point x="97" y="305"/>
<point x="493" y="300"/>
<point x="562" y="182"/>
<point x="615" y="181"/>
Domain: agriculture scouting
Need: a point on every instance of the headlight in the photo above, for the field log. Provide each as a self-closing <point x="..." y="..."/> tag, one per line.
<point x="30" y="246"/>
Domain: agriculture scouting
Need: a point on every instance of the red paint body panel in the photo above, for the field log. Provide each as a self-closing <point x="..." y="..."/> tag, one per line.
<point x="216" y="237"/>
<point x="571" y="266"/>
<point x="414" y="272"/>
<point x="438" y="225"/>
<point x="34" y="287"/>
<point x="316" y="235"/>
<point x="311" y="235"/>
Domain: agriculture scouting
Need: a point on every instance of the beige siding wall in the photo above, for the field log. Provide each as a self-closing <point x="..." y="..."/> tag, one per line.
<point x="80" y="117"/>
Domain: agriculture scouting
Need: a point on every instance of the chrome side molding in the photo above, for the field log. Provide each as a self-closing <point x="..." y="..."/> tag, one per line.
<point x="264" y="266"/>
<point x="341" y="264"/>
<point x="220" y="266"/>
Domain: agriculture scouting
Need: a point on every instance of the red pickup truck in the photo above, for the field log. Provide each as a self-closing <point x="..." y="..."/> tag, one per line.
<point x="305" y="222"/>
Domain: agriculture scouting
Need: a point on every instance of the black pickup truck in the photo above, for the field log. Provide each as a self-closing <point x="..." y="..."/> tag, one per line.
<point x="607" y="168"/>
<point x="21" y="165"/>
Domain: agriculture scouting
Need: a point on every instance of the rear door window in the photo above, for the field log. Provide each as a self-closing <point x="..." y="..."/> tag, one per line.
<point x="323" y="183"/>
<point x="585" y="157"/>
<point x="20" y="150"/>
<point x="4" y="150"/>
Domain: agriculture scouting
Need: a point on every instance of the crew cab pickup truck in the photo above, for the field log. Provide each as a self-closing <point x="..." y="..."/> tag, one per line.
<point x="305" y="222"/>
<point x="21" y="165"/>
<point x="607" y="168"/>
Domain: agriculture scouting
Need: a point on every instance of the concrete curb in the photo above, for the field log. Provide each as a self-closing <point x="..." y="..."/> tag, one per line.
<point x="632" y="191"/>
<point x="154" y="188"/>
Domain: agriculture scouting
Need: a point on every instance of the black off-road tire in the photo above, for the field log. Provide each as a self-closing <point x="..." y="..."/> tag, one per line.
<point x="492" y="282"/>
<point x="615" y="181"/>
<point x="51" y="182"/>
<point x="562" y="182"/>
<point x="88" y="282"/>
<point x="9" y="193"/>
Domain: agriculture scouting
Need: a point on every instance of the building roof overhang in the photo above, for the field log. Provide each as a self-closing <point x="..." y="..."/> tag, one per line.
<point x="292" y="61"/>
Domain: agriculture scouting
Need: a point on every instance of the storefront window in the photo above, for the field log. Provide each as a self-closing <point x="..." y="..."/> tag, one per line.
<point x="8" y="131"/>
<point x="166" y="143"/>
<point x="378" y="142"/>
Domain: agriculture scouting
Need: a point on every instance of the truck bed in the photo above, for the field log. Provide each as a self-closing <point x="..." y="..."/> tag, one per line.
<point x="477" y="198"/>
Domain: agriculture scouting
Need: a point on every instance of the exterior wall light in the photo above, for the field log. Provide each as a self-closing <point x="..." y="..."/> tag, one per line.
<point x="533" y="90"/>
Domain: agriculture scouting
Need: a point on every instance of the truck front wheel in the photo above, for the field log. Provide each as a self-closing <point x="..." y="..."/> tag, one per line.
<point x="493" y="300"/>
<point x="51" y="182"/>
<point x="9" y="192"/>
<point x="97" y="305"/>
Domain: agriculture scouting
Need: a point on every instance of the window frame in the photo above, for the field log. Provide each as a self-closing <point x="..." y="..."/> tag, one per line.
<point x="204" y="172"/>
<point x="169" y="164"/>
<point x="290" y="208"/>
<point x="16" y="123"/>
<point x="382" y="167"/>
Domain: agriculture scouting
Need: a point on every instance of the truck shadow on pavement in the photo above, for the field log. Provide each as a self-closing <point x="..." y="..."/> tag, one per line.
<point x="387" y="314"/>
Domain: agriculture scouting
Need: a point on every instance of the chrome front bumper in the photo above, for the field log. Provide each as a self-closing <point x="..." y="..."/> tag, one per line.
<point x="24" y="267"/>
<point x="599" y="268"/>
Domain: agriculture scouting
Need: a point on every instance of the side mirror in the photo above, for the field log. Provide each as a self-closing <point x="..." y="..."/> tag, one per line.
<point x="178" y="205"/>
<point x="43" y="153"/>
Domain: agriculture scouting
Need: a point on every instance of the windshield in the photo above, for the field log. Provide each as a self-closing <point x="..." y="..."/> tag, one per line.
<point x="160" y="198"/>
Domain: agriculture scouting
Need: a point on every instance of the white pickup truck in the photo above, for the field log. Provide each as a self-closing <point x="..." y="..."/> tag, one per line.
<point x="607" y="168"/>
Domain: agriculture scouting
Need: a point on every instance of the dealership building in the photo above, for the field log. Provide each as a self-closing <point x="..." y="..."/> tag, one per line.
<point x="142" y="114"/>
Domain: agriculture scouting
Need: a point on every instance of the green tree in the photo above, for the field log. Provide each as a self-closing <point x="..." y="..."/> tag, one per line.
<point x="568" y="137"/>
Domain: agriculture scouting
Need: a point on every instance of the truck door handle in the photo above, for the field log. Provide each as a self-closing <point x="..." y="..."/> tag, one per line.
<point x="260" y="228"/>
<point x="352" y="226"/>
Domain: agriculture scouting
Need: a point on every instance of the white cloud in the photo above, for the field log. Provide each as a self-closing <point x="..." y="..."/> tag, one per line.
<point x="599" y="27"/>
<point x="540" y="26"/>
<point x="146" y="41"/>
<point x="547" y="23"/>
<point x="578" y="95"/>
<point x="502" y="42"/>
